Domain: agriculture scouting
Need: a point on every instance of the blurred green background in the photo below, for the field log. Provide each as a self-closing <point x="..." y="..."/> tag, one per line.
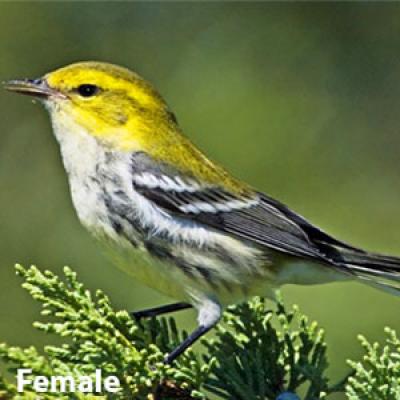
<point x="301" y="100"/>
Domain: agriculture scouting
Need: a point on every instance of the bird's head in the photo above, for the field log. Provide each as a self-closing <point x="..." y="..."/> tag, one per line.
<point x="111" y="103"/>
<point x="123" y="112"/>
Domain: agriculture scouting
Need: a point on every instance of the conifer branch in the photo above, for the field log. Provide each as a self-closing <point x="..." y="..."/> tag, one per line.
<point x="255" y="353"/>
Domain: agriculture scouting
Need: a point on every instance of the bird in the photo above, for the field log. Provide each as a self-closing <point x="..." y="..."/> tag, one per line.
<point x="172" y="218"/>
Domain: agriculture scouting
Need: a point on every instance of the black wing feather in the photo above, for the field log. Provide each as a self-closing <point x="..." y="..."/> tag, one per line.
<point x="262" y="223"/>
<point x="265" y="227"/>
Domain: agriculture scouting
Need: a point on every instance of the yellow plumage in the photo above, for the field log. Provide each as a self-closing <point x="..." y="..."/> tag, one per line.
<point x="172" y="218"/>
<point x="134" y="117"/>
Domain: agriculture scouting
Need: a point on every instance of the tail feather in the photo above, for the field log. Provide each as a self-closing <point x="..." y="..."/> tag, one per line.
<point x="380" y="271"/>
<point x="377" y="270"/>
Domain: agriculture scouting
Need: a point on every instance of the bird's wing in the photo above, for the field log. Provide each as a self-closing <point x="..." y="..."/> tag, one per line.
<point x="249" y="215"/>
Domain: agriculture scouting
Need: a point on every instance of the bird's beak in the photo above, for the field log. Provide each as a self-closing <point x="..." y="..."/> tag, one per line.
<point x="32" y="87"/>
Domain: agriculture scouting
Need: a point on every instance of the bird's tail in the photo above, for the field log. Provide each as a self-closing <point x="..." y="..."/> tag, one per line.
<point x="377" y="270"/>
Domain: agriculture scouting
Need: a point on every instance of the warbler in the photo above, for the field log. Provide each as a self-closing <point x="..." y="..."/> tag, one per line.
<point x="172" y="218"/>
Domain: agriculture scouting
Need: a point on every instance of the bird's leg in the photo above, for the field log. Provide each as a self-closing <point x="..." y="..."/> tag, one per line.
<point x="193" y="337"/>
<point x="154" y="312"/>
<point x="209" y="314"/>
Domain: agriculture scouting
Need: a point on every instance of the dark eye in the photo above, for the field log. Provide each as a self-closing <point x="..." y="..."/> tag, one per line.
<point x="87" y="90"/>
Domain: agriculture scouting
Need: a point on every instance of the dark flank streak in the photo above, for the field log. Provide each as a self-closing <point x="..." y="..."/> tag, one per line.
<point x="222" y="254"/>
<point x="158" y="250"/>
<point x="209" y="278"/>
<point x="116" y="226"/>
<point x="185" y="267"/>
<point x="118" y="213"/>
<point x="163" y="253"/>
<point x="158" y="247"/>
